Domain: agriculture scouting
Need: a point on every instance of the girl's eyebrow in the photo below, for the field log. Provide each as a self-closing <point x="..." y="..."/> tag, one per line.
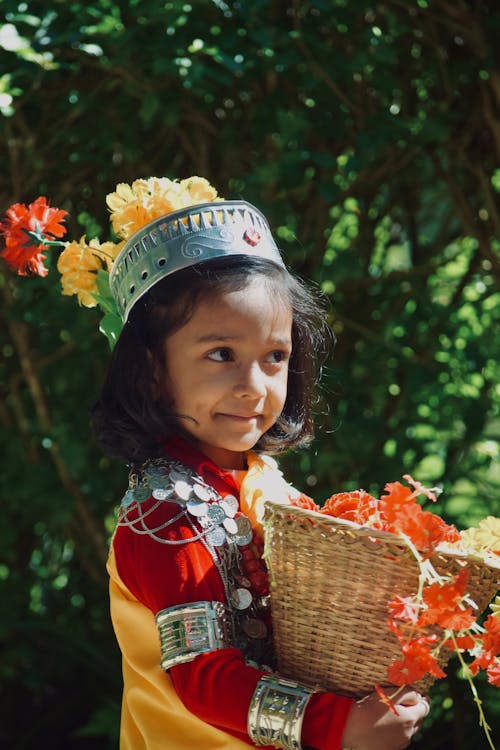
<point x="216" y="337"/>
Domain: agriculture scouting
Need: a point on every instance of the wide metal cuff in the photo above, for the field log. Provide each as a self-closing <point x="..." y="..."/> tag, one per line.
<point x="188" y="630"/>
<point x="277" y="711"/>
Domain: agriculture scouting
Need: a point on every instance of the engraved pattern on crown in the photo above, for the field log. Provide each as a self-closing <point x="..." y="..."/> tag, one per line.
<point x="195" y="245"/>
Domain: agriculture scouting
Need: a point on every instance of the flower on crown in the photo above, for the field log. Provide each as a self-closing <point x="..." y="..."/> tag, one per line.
<point x="134" y="206"/>
<point x="30" y="231"/>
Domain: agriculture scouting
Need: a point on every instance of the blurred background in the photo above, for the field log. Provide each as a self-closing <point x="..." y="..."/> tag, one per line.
<point x="369" y="135"/>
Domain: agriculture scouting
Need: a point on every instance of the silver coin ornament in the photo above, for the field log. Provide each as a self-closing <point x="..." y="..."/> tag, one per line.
<point x="254" y="628"/>
<point x="242" y="598"/>
<point x="230" y="525"/>
<point x="197" y="508"/>
<point x="141" y="494"/>
<point x="128" y="499"/>
<point x="230" y="504"/>
<point x="182" y="489"/>
<point x="202" y="493"/>
<point x="160" y="494"/>
<point x="178" y="476"/>
<point x="216" y="514"/>
<point x="216" y="536"/>
<point x="242" y="541"/>
<point x="243" y="525"/>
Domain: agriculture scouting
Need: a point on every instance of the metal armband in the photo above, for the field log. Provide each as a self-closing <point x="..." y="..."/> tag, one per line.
<point x="188" y="630"/>
<point x="276" y="712"/>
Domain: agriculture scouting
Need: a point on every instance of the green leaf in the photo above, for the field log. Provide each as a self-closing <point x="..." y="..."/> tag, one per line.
<point x="111" y="326"/>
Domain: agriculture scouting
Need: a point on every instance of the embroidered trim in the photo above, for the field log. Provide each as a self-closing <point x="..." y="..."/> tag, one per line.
<point x="276" y="713"/>
<point x="188" y="630"/>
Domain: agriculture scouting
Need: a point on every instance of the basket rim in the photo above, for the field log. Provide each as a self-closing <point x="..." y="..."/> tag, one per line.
<point x="367" y="531"/>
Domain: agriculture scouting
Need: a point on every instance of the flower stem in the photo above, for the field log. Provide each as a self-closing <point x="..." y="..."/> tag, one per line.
<point x="477" y="700"/>
<point x="41" y="240"/>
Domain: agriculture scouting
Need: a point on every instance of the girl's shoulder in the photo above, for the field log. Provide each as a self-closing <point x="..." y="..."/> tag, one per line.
<point x="165" y="501"/>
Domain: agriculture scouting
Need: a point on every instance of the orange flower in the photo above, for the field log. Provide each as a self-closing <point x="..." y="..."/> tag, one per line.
<point x="420" y="489"/>
<point x="78" y="265"/>
<point x="402" y="514"/>
<point x="417" y="659"/>
<point x="443" y="604"/>
<point x="490" y="646"/>
<point x="357" y="506"/>
<point x="493" y="673"/>
<point x="404" y="608"/>
<point x="397" y="498"/>
<point x="464" y="642"/>
<point x="425" y="529"/>
<point x="23" y="253"/>
<point x="304" y="501"/>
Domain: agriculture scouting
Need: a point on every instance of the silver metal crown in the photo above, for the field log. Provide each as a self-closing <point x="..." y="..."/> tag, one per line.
<point x="185" y="238"/>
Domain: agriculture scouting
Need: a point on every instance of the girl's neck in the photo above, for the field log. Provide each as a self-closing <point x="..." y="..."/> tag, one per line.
<point x="222" y="458"/>
<point x="182" y="449"/>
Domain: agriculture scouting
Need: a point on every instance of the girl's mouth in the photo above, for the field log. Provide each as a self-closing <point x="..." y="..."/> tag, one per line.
<point x="240" y="417"/>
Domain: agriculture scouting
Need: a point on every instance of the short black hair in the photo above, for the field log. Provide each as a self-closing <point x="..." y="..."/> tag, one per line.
<point x="130" y="424"/>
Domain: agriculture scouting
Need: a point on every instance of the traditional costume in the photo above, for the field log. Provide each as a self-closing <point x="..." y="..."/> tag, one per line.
<point x="189" y="604"/>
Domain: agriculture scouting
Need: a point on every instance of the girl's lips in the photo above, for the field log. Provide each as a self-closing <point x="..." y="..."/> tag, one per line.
<point x="240" y="417"/>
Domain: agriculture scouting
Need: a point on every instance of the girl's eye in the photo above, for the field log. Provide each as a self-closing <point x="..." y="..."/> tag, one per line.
<point x="278" y="356"/>
<point x="221" y="355"/>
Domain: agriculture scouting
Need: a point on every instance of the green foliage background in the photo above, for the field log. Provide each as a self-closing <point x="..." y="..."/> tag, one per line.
<point x="369" y="134"/>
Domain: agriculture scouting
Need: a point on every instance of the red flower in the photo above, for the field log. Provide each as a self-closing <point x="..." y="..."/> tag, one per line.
<point x="22" y="252"/>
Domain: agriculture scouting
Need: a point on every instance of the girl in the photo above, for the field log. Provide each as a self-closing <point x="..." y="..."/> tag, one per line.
<point x="214" y="370"/>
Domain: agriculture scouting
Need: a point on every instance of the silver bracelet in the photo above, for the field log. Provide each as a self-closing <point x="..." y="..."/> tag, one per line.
<point x="276" y="712"/>
<point x="188" y="630"/>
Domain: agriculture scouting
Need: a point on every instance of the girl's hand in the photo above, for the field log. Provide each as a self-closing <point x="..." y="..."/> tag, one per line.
<point x="373" y="726"/>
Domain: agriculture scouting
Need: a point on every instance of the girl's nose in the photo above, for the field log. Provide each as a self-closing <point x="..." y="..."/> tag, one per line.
<point x="250" y="382"/>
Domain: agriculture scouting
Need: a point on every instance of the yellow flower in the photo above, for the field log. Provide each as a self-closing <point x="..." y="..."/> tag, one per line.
<point x="495" y="607"/>
<point x="483" y="538"/>
<point x="78" y="265"/>
<point x="134" y="206"/>
<point x="199" y="189"/>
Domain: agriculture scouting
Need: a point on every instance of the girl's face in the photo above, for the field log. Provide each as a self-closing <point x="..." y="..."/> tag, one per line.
<point x="227" y="370"/>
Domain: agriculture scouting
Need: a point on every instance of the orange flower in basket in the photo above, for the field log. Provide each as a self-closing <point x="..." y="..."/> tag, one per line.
<point x="488" y="658"/>
<point x="357" y="506"/>
<point x="417" y="660"/>
<point x="305" y="502"/>
<point x="443" y="604"/>
<point x="401" y="513"/>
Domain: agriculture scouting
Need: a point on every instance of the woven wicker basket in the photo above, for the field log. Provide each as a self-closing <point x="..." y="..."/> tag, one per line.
<point x="331" y="581"/>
